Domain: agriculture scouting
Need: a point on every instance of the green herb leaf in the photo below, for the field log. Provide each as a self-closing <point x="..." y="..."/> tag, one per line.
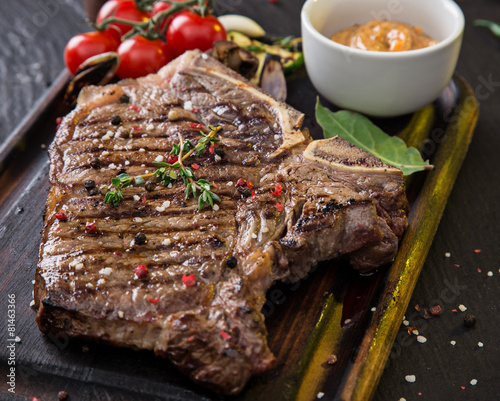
<point x="160" y="164"/>
<point x="360" y="131"/>
<point x="139" y="180"/>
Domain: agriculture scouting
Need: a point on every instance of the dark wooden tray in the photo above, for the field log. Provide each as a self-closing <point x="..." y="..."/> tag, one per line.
<point x="306" y="321"/>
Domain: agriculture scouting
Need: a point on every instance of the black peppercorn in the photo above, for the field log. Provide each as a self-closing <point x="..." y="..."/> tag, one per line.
<point x="219" y="150"/>
<point x="150" y="186"/>
<point x="469" y="320"/>
<point x="121" y="171"/>
<point x="116" y="120"/>
<point x="231" y="262"/>
<point x="95" y="163"/>
<point x="93" y="192"/>
<point x="124" y="99"/>
<point x="183" y="204"/>
<point x="244" y="191"/>
<point x="140" y="239"/>
<point x="89" y="184"/>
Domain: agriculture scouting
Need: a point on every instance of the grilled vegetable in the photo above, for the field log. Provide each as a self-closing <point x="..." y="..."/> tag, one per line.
<point x="288" y="50"/>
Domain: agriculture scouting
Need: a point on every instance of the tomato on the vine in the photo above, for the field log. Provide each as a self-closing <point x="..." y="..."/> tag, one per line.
<point x="141" y="56"/>
<point x="85" y="45"/>
<point x="188" y="31"/>
<point x="160" y="6"/>
<point x="122" y="9"/>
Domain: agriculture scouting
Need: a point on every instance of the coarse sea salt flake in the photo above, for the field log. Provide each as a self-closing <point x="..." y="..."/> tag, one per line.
<point x="230" y="183"/>
<point x="480" y="344"/>
<point x="373" y="309"/>
<point x="150" y="127"/>
<point x="127" y="162"/>
<point x="447" y="254"/>
<point x="453" y="342"/>
<point x="159" y="158"/>
<point x="415" y="332"/>
<point x="142" y="150"/>
<point x="410" y="378"/>
<point x="188" y="105"/>
<point x="421" y="339"/>
<point x="32" y="303"/>
<point x="121" y="314"/>
<point x="406" y="322"/>
<point x="106" y="271"/>
<point x="166" y="204"/>
<point x="166" y="241"/>
<point x="462" y="308"/>
<point x="254" y="235"/>
<point x="79" y="266"/>
<point x="217" y="158"/>
<point x="490" y="274"/>
<point x="160" y="209"/>
<point x="17" y="339"/>
<point x="101" y="281"/>
<point x="112" y="166"/>
<point x="473" y="382"/>
<point x="137" y="219"/>
<point x="136" y="197"/>
<point x="320" y="395"/>
<point x="215" y="207"/>
<point x="89" y="285"/>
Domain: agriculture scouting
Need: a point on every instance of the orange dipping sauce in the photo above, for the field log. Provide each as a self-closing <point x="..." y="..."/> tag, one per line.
<point x="383" y="36"/>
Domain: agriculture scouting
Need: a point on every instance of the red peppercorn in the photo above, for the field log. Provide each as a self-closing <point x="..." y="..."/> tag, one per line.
<point x="153" y="300"/>
<point x="211" y="148"/>
<point x="61" y="215"/>
<point x="225" y="335"/>
<point x="141" y="271"/>
<point x="277" y="190"/>
<point x="195" y="166"/>
<point x="195" y="110"/>
<point x="188" y="281"/>
<point x="135" y="108"/>
<point x="91" y="228"/>
<point x="249" y="184"/>
<point x="172" y="159"/>
<point x="241" y="182"/>
<point x="253" y="195"/>
<point x="279" y="206"/>
<point x="194" y="125"/>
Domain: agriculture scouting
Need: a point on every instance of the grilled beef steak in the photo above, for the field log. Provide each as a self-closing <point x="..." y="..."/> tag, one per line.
<point x="334" y="201"/>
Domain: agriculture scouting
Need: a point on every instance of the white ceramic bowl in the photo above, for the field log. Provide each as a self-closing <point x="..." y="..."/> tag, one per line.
<point x="376" y="83"/>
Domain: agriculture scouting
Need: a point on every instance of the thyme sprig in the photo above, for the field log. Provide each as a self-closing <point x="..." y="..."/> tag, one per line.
<point x="169" y="172"/>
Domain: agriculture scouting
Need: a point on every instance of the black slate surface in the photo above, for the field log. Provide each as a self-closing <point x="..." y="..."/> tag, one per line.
<point x="31" y="58"/>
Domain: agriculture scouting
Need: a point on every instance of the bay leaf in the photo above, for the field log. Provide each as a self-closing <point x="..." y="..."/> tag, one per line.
<point x="360" y="131"/>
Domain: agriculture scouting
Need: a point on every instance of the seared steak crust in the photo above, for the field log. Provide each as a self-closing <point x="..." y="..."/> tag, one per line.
<point x="338" y="201"/>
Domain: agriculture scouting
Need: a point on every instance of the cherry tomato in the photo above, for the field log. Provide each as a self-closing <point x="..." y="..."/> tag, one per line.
<point x="159" y="7"/>
<point x="141" y="56"/>
<point x="123" y="9"/>
<point x="85" y="45"/>
<point x="188" y="31"/>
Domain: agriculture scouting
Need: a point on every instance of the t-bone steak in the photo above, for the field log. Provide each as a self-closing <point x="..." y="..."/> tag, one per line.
<point x="336" y="201"/>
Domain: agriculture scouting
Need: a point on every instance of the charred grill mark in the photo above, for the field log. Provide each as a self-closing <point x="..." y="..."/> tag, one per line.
<point x="332" y="205"/>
